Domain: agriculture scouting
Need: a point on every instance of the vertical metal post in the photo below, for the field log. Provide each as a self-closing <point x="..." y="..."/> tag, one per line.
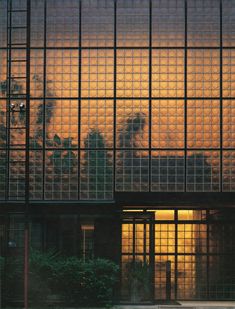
<point x="207" y="255"/>
<point x="150" y="94"/>
<point x="185" y="96"/>
<point x="27" y="160"/>
<point x="168" y="279"/>
<point x="114" y="95"/>
<point x="79" y="96"/>
<point x="44" y="98"/>
<point x="176" y="253"/>
<point x="221" y="97"/>
<point x="152" y="254"/>
<point x="8" y="101"/>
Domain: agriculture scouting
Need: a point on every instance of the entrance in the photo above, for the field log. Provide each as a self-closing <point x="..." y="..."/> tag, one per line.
<point x="177" y="255"/>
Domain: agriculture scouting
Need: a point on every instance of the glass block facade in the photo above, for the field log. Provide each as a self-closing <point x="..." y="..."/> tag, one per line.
<point x="117" y="141"/>
<point x="124" y="96"/>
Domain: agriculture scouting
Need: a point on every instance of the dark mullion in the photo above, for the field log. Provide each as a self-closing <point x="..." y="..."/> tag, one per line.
<point x="79" y="94"/>
<point x="125" y="98"/>
<point x="44" y="98"/>
<point x="8" y="101"/>
<point x="207" y="255"/>
<point x="114" y="97"/>
<point x="119" y="148"/>
<point x="185" y="97"/>
<point x="120" y="47"/>
<point x="150" y="96"/>
<point x="221" y="96"/>
<point x="176" y="253"/>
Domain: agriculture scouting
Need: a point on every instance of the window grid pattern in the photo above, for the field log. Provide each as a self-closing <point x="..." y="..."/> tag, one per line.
<point x="132" y="73"/>
<point x="96" y="123"/>
<point x="203" y="23"/>
<point x="167" y="124"/>
<point x="97" y="23"/>
<point x="203" y="124"/>
<point x="228" y="73"/>
<point x="132" y="23"/>
<point x="97" y="73"/>
<point x="120" y="78"/>
<point x="203" y="171"/>
<point x="167" y="73"/>
<point x="62" y="73"/>
<point x="168" y="23"/>
<point x="229" y="123"/>
<point x="167" y="171"/>
<point x="203" y="79"/>
<point x="62" y="23"/>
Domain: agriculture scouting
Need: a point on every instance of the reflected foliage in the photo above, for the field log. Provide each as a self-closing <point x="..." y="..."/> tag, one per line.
<point x="96" y="166"/>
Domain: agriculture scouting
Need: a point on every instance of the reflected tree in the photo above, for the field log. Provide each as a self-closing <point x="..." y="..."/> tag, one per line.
<point x="96" y="167"/>
<point x="130" y="164"/>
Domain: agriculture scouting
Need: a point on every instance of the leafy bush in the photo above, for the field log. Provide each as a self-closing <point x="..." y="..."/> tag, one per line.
<point x="71" y="279"/>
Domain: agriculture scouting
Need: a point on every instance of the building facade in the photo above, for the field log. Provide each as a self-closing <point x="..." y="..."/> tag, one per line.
<point x="117" y="138"/>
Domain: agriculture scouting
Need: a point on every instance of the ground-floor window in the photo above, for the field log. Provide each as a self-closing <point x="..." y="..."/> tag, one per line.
<point x="184" y="254"/>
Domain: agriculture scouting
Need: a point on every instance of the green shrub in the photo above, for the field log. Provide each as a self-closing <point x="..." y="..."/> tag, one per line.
<point x="69" y="279"/>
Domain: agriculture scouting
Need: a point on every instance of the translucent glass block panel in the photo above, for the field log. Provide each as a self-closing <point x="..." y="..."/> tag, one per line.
<point x="3" y="73"/>
<point x="132" y="73"/>
<point x="3" y="131"/>
<point x="203" y="19"/>
<point x="37" y="23"/>
<point x="132" y="170"/>
<point x="36" y="175"/>
<point x="228" y="73"/>
<point x="192" y="238"/>
<point x="203" y="73"/>
<point x="132" y="129"/>
<point x="17" y="175"/>
<point x="167" y="73"/>
<point x="62" y="73"/>
<point x="192" y="281"/>
<point x="37" y="73"/>
<point x="97" y="23"/>
<point x="61" y="175"/>
<point x="221" y="237"/>
<point x="133" y="23"/>
<point x="3" y="23"/>
<point x="19" y="4"/>
<point x="203" y="171"/>
<point x="3" y="171"/>
<point x="203" y="123"/>
<point x="168" y="123"/>
<point x="97" y="123"/>
<point x="36" y="123"/>
<point x="161" y="262"/>
<point x="228" y="24"/>
<point x="229" y="171"/>
<point x="167" y="171"/>
<point x="97" y="73"/>
<point x="228" y="123"/>
<point x="168" y="22"/>
<point x="63" y="23"/>
<point x="61" y="123"/>
<point x="165" y="238"/>
<point x="96" y="175"/>
<point x="222" y="277"/>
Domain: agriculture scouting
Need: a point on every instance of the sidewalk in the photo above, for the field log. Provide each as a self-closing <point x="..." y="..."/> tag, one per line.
<point x="185" y="305"/>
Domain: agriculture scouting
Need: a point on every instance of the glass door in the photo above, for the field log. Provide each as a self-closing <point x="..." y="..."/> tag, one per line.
<point x="137" y="257"/>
